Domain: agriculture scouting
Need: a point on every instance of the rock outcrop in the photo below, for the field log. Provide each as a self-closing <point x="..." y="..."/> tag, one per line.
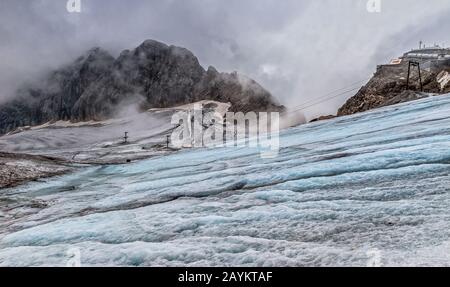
<point x="322" y="118"/>
<point x="389" y="86"/>
<point x="16" y="169"/>
<point x="154" y="75"/>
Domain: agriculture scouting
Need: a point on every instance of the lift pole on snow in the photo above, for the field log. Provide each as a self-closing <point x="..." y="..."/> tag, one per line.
<point x="414" y="64"/>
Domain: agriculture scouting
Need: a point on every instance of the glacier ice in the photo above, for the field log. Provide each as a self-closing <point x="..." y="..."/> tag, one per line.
<point x="338" y="190"/>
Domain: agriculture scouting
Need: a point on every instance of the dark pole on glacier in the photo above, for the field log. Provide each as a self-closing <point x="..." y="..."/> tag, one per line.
<point x="414" y="64"/>
<point x="407" y="78"/>
<point x="125" y="138"/>
<point x="420" y="77"/>
<point x="167" y="141"/>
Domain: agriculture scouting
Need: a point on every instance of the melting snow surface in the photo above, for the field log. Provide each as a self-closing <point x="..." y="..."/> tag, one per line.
<point x="366" y="189"/>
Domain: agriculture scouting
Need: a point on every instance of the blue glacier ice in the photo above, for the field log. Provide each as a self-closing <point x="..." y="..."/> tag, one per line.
<point x="339" y="192"/>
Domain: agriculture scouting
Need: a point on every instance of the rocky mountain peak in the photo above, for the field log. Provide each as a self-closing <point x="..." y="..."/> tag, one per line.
<point x="154" y="75"/>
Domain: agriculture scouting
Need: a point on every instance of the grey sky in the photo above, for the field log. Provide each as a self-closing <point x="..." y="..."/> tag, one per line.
<point x="298" y="49"/>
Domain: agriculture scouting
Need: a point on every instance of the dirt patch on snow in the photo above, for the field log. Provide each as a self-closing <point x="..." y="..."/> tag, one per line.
<point x="16" y="169"/>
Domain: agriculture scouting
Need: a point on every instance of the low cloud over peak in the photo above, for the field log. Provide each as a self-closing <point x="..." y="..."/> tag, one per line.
<point x="298" y="50"/>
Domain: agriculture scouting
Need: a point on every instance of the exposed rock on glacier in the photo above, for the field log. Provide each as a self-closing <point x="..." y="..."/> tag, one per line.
<point x="388" y="86"/>
<point x="18" y="168"/>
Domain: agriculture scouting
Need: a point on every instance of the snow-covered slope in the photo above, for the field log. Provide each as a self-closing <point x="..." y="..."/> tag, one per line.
<point x="102" y="141"/>
<point x="372" y="188"/>
<point x="94" y="142"/>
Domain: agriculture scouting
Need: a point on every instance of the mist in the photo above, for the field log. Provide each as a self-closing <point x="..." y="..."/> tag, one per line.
<point x="301" y="51"/>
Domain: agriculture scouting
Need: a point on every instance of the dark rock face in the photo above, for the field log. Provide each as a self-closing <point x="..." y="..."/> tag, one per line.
<point x="322" y="118"/>
<point x="154" y="75"/>
<point x="244" y="93"/>
<point x="389" y="86"/>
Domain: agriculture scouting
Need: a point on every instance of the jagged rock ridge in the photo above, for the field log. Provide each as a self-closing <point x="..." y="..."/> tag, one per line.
<point x="154" y="75"/>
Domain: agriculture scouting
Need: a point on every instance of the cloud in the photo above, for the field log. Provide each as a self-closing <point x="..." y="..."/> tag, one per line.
<point x="299" y="50"/>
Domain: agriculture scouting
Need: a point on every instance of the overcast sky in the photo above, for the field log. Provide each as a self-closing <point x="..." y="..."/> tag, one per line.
<point x="300" y="50"/>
